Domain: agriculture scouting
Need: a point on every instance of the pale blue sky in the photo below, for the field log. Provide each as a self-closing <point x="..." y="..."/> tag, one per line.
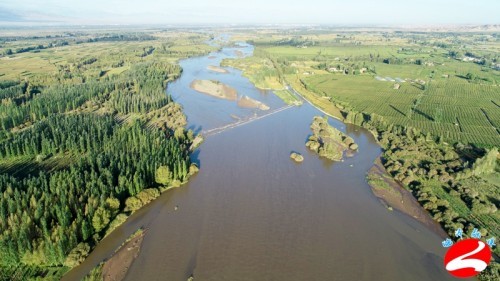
<point x="347" y="12"/>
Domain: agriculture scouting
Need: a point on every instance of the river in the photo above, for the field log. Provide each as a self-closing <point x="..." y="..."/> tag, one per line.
<point x="253" y="214"/>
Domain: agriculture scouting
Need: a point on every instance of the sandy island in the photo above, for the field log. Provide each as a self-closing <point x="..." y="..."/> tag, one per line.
<point x="393" y="195"/>
<point x="217" y="69"/>
<point x="214" y="89"/>
<point x="115" y="269"/>
<point x="239" y="53"/>
<point x="248" y="102"/>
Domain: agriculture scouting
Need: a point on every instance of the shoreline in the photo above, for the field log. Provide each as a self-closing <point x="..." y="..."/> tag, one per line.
<point x="116" y="267"/>
<point x="135" y="243"/>
<point x="140" y="232"/>
<point x="394" y="196"/>
<point x="336" y="115"/>
<point x="422" y="215"/>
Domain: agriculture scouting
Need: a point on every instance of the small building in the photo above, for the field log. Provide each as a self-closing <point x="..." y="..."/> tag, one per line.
<point x="363" y="70"/>
<point x="397" y="86"/>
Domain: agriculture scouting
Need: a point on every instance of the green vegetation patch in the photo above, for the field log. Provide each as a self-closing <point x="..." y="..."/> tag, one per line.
<point x="85" y="126"/>
<point x="288" y="97"/>
<point x="327" y="141"/>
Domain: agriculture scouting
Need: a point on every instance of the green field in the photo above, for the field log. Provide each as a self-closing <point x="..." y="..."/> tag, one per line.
<point x="288" y="97"/>
<point x="444" y="84"/>
<point x="448" y="107"/>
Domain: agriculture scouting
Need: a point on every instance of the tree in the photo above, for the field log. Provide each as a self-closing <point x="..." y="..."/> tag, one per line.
<point x="77" y="255"/>
<point x="100" y="219"/>
<point x="470" y="76"/>
<point x="486" y="164"/>
<point x="86" y="230"/>
<point x="113" y="205"/>
<point x="132" y="204"/>
<point x="179" y="133"/>
<point x="163" y="175"/>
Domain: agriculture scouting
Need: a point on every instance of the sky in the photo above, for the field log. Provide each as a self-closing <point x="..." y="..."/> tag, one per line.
<point x="332" y="12"/>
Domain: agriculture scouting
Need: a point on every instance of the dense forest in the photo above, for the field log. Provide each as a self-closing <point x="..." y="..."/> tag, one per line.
<point x="79" y="151"/>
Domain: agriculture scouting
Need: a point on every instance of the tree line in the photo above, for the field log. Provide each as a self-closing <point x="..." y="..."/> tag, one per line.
<point x="54" y="216"/>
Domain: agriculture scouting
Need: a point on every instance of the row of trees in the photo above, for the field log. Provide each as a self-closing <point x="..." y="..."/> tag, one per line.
<point x="141" y="90"/>
<point x="54" y="216"/>
<point x="43" y="216"/>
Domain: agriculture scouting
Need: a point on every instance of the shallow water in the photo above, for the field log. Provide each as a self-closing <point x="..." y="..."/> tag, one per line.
<point x="253" y="214"/>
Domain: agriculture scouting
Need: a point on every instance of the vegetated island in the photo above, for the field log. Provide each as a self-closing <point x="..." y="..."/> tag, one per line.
<point x="327" y="141"/>
<point x="297" y="157"/>
<point x="214" y="89"/>
<point x="248" y="102"/>
<point x="217" y="69"/>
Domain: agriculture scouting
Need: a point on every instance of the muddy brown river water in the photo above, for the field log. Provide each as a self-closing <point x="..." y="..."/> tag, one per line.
<point x="253" y="214"/>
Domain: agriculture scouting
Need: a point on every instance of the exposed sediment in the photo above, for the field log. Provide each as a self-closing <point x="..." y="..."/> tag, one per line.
<point x="214" y="89"/>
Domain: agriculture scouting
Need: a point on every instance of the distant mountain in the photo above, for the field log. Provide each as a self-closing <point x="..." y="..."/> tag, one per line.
<point x="491" y="27"/>
<point x="466" y="28"/>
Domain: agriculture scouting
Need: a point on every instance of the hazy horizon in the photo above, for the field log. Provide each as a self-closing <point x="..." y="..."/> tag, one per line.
<point x="332" y="12"/>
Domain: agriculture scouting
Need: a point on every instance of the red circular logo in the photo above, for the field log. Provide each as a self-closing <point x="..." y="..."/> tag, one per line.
<point x="467" y="258"/>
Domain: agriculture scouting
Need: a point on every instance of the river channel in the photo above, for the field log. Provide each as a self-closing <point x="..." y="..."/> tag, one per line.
<point x="253" y="214"/>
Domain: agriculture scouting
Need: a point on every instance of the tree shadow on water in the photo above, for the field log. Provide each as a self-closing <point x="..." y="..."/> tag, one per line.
<point x="195" y="157"/>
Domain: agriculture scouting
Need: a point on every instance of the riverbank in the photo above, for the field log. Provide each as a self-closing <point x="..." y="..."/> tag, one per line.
<point x="215" y="89"/>
<point x="251" y="71"/>
<point x="436" y="188"/>
<point x="321" y="104"/>
<point x="383" y="186"/>
<point x="305" y="203"/>
<point x="115" y="269"/>
<point x="394" y="196"/>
